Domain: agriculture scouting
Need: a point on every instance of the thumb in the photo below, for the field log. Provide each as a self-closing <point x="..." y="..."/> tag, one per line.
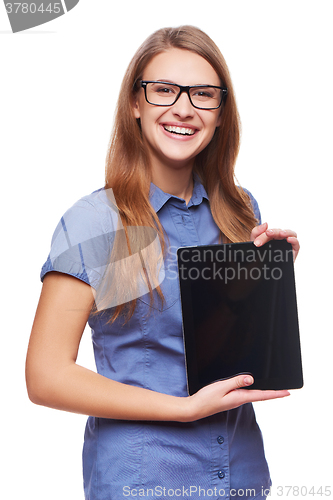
<point x="238" y="382"/>
<point x="258" y="230"/>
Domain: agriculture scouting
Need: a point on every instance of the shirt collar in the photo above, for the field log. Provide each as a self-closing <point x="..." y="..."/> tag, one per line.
<point x="158" y="198"/>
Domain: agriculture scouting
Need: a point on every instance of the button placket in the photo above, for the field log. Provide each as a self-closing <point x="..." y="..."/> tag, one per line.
<point x="220" y="439"/>
<point x="185" y="225"/>
<point x="221" y="474"/>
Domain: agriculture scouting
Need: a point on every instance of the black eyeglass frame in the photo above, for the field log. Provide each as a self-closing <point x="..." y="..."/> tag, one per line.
<point x="183" y="88"/>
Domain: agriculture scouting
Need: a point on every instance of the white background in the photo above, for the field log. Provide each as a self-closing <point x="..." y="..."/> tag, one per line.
<point x="59" y="83"/>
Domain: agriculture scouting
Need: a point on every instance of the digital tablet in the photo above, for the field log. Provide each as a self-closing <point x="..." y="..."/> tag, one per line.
<point x="240" y="314"/>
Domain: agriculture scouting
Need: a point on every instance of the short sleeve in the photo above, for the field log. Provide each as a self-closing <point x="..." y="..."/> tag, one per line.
<point x="82" y="240"/>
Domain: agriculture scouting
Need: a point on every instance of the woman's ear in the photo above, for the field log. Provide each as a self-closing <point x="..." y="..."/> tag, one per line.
<point x="219" y="119"/>
<point x="135" y="107"/>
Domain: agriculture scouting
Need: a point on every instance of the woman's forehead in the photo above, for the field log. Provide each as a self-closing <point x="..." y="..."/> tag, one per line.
<point x="181" y="66"/>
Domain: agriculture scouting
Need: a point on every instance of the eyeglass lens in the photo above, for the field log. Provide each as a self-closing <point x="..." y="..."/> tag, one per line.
<point x="166" y="94"/>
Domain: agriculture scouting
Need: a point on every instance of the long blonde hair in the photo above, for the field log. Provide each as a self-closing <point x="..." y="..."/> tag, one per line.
<point x="128" y="171"/>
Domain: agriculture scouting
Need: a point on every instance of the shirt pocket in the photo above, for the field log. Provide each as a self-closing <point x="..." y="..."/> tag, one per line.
<point x="169" y="288"/>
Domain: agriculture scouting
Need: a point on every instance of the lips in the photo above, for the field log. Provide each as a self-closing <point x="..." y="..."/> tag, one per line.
<point x="179" y="130"/>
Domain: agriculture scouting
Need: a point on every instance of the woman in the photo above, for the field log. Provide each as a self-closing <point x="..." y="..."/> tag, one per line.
<point x="170" y="167"/>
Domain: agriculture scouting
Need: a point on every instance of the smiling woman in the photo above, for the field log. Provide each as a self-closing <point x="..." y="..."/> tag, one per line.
<point x="170" y="167"/>
<point x="171" y="148"/>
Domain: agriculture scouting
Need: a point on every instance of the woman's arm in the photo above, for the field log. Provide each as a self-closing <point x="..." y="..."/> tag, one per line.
<point x="55" y="380"/>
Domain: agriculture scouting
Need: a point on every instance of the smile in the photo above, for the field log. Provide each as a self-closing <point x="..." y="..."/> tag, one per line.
<point x="179" y="130"/>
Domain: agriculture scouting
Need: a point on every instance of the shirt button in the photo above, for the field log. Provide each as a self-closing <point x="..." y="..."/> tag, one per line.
<point x="221" y="474"/>
<point x="220" y="439"/>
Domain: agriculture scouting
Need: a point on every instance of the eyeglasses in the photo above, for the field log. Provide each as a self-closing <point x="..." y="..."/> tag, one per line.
<point x="200" y="96"/>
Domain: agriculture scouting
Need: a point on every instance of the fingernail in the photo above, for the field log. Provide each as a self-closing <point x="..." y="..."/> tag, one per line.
<point x="248" y="380"/>
<point x="257" y="243"/>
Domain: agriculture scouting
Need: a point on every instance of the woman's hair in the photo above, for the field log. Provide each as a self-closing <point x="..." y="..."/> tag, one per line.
<point x="128" y="171"/>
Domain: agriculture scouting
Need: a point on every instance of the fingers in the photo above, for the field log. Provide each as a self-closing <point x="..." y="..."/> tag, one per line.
<point x="238" y="397"/>
<point x="225" y="395"/>
<point x="266" y="395"/>
<point x="257" y="230"/>
<point x="261" y="235"/>
<point x="273" y="234"/>
<point x="295" y="244"/>
<point x="235" y="385"/>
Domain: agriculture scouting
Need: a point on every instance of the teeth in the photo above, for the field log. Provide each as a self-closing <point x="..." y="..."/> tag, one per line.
<point x="179" y="130"/>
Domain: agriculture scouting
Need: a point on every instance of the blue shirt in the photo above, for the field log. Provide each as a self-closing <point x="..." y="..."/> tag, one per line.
<point x="221" y="456"/>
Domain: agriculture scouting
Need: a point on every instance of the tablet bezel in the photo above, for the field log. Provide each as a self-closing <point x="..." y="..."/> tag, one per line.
<point x="292" y="378"/>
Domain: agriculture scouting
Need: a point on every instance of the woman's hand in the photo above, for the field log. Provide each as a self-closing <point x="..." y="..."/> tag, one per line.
<point x="54" y="379"/>
<point x="226" y="395"/>
<point x="261" y="234"/>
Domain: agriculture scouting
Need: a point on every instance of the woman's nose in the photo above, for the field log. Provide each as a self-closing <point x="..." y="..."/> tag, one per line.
<point x="183" y="106"/>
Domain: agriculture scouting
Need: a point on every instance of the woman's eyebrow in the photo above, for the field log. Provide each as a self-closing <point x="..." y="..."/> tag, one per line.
<point x="166" y="80"/>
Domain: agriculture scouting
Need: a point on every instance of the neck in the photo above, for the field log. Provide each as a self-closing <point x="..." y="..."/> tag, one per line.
<point x="178" y="182"/>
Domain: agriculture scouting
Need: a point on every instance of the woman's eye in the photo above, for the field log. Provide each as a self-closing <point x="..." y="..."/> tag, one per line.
<point x="203" y="93"/>
<point x="164" y="90"/>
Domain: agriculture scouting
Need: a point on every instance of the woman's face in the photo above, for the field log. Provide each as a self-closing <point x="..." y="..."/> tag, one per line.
<point x="172" y="149"/>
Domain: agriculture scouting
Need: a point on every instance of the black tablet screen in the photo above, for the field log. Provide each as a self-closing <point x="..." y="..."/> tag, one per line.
<point x="240" y="314"/>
